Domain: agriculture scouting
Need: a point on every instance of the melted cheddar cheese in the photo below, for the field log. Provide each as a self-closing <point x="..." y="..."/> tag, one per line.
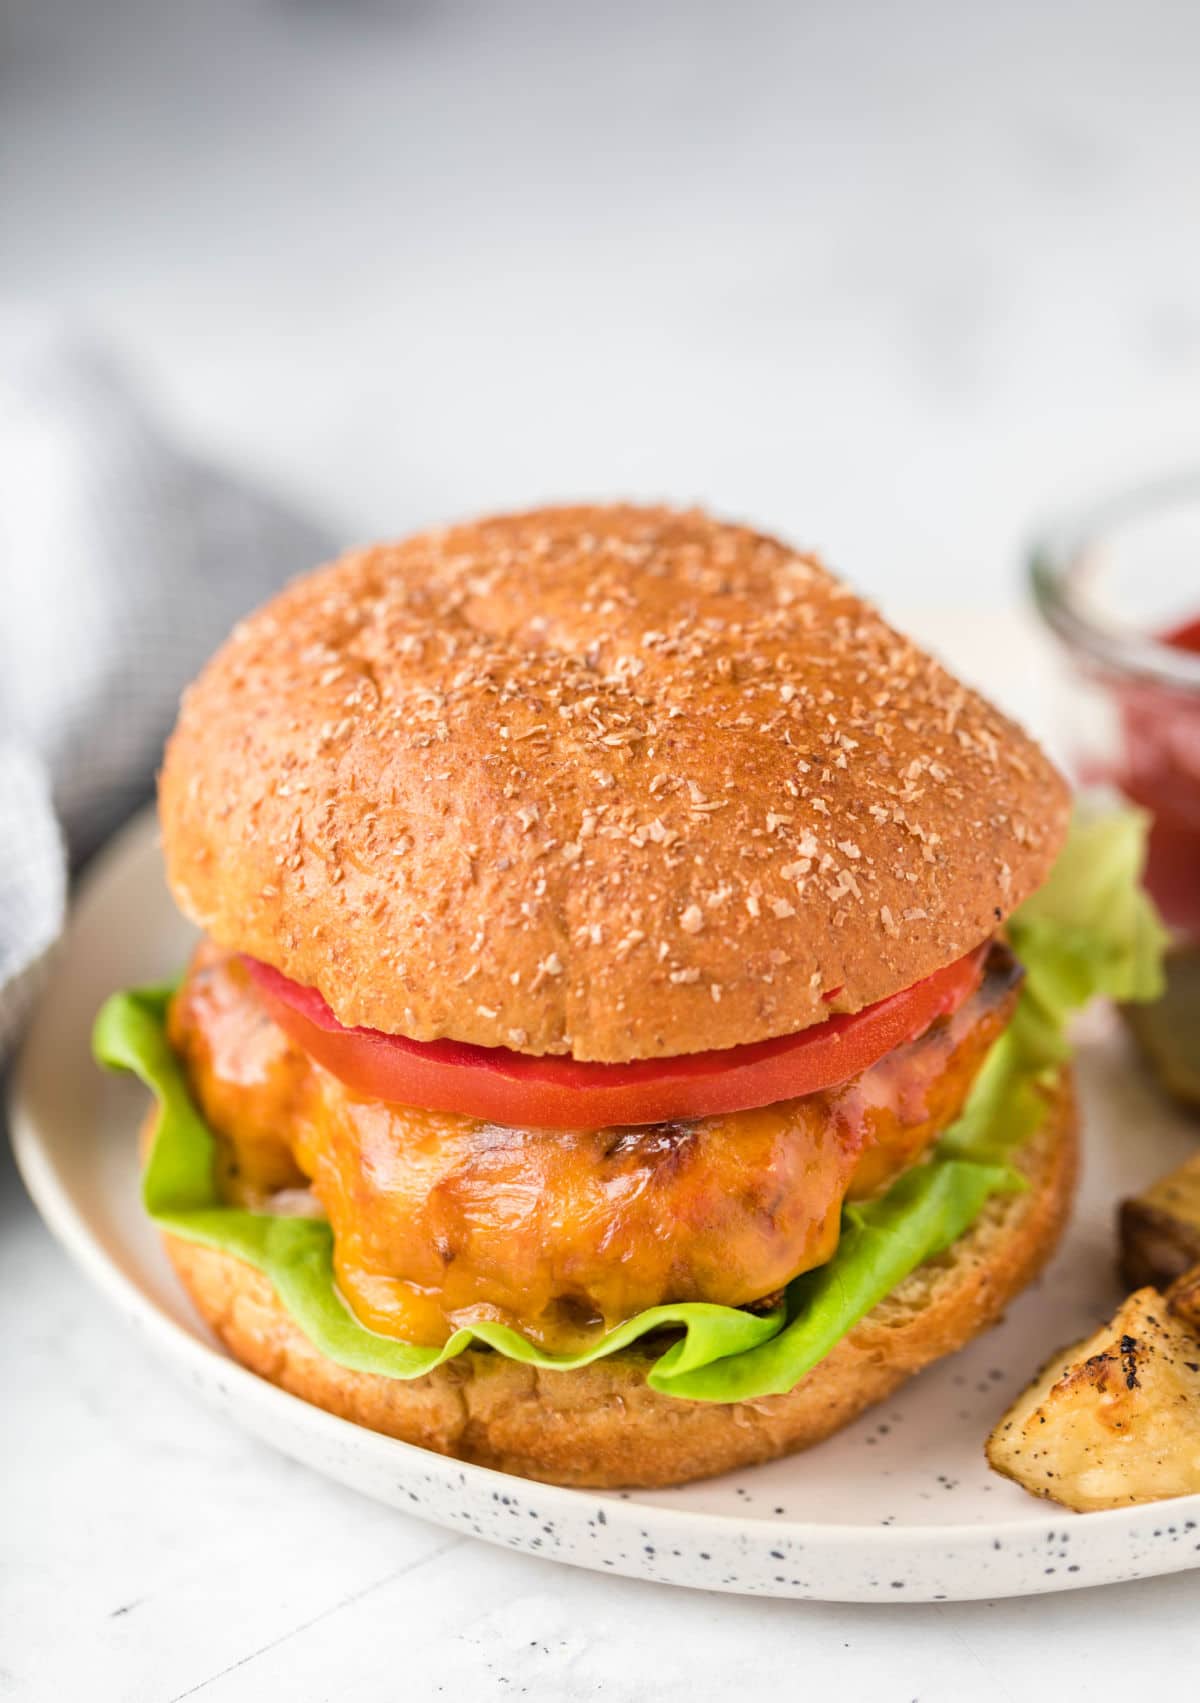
<point x="441" y="1219"/>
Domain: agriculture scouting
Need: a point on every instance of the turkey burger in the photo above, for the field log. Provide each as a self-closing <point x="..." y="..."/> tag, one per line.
<point x="602" y="1059"/>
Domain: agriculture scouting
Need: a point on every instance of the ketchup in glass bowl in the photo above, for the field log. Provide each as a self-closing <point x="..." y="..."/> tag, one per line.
<point x="1160" y="736"/>
<point x="1120" y="587"/>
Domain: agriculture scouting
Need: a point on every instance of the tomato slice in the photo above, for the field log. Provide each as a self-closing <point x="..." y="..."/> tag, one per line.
<point x="524" y="1091"/>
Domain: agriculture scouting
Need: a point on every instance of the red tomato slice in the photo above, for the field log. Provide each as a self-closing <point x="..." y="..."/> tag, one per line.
<point x="529" y="1092"/>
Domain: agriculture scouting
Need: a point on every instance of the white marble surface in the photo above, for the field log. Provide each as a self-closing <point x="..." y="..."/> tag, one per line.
<point x="892" y="279"/>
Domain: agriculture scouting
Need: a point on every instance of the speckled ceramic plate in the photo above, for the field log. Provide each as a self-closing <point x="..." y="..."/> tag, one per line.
<point x="901" y="1507"/>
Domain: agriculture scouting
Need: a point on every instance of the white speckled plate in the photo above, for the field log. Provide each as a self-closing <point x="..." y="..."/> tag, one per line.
<point x="901" y="1507"/>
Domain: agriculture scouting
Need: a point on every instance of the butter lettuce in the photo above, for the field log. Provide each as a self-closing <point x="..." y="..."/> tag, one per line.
<point x="1090" y="930"/>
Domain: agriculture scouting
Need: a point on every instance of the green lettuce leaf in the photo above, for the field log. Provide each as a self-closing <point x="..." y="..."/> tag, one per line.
<point x="1089" y="930"/>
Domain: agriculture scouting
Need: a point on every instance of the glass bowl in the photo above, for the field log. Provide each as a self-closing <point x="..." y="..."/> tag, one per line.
<point x="1119" y="585"/>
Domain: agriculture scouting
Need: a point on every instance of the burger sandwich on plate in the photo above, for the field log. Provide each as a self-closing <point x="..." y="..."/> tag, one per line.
<point x="626" y="1040"/>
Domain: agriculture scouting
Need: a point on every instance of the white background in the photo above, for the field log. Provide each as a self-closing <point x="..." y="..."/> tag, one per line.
<point x="893" y="279"/>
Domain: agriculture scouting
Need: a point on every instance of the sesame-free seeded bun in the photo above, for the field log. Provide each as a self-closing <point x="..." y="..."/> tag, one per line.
<point x="602" y="1424"/>
<point x="620" y="782"/>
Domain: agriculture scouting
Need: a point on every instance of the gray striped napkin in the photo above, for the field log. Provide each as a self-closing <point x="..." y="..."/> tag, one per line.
<point x="124" y="561"/>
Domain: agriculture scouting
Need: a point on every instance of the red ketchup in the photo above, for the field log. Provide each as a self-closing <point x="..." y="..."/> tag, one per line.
<point x="1159" y="769"/>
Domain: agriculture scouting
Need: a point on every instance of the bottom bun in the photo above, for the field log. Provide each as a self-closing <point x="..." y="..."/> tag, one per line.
<point x="602" y="1425"/>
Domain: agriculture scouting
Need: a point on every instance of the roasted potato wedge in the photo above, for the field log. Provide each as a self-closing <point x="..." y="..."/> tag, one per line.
<point x="1183" y="1298"/>
<point x="1160" y="1228"/>
<point x="1114" y="1420"/>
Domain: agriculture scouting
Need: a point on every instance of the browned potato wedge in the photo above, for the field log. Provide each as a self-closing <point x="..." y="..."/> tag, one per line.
<point x="1160" y="1228"/>
<point x="1183" y="1298"/>
<point x="1115" y="1419"/>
